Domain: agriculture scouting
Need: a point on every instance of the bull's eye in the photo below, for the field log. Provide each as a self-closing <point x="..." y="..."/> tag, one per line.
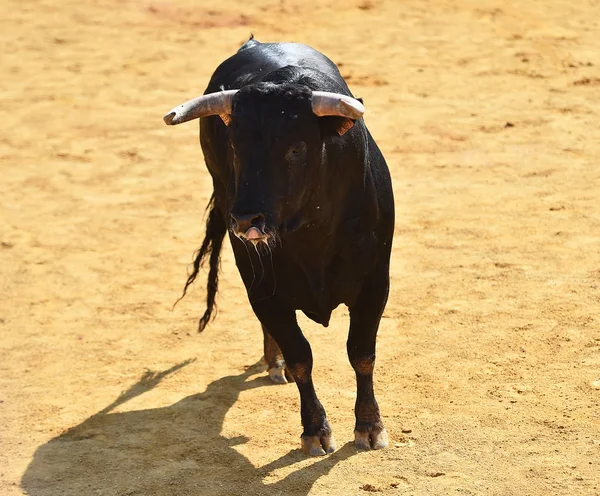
<point x="297" y="150"/>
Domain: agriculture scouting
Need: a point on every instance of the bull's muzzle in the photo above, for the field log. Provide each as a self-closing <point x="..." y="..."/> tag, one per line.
<point x="249" y="226"/>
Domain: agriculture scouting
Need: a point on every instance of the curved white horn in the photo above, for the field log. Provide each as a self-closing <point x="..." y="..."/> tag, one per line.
<point x="203" y="106"/>
<point x="325" y="103"/>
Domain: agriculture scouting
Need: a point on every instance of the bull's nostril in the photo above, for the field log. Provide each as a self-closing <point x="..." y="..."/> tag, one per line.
<point x="258" y="221"/>
<point x="241" y="223"/>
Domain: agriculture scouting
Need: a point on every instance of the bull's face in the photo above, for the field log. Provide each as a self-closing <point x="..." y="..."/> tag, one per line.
<point x="276" y="152"/>
<point x="276" y="149"/>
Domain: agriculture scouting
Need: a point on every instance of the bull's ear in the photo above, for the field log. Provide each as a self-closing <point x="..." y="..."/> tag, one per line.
<point x="337" y="125"/>
<point x="226" y="118"/>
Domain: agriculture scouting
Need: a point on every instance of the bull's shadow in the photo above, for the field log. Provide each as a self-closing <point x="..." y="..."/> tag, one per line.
<point x="175" y="450"/>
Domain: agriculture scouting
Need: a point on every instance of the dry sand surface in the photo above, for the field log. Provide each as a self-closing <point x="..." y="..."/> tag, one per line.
<point x="488" y="370"/>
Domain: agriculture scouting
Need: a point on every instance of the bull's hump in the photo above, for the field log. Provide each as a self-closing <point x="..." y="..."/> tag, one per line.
<point x="261" y="58"/>
<point x="289" y="54"/>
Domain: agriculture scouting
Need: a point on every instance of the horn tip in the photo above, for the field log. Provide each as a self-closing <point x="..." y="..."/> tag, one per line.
<point x="169" y="118"/>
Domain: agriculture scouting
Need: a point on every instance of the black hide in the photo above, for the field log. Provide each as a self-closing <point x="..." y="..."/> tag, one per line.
<point x="324" y="201"/>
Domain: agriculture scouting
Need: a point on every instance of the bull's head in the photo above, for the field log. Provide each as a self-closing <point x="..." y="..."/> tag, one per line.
<point x="277" y="144"/>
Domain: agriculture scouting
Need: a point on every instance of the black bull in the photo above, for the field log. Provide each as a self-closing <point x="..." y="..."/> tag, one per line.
<point x="306" y="196"/>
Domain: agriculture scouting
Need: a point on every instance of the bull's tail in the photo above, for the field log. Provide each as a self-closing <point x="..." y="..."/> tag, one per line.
<point x="211" y="248"/>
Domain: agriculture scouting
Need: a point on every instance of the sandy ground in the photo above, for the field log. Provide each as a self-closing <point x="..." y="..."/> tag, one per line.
<point x="488" y="369"/>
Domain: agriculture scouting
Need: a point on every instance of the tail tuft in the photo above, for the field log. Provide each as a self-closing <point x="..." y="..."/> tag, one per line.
<point x="211" y="248"/>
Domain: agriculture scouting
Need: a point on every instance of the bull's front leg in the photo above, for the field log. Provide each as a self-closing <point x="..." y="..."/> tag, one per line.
<point x="365" y="315"/>
<point x="281" y="324"/>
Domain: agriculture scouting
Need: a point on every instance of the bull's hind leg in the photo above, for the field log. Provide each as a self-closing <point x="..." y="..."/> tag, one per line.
<point x="283" y="327"/>
<point x="278" y="372"/>
<point x="365" y="315"/>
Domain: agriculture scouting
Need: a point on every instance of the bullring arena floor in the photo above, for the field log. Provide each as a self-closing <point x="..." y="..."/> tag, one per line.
<point x="488" y="371"/>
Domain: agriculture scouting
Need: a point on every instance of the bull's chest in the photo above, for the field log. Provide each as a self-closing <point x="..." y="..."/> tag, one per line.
<point x="329" y="286"/>
<point x="315" y="284"/>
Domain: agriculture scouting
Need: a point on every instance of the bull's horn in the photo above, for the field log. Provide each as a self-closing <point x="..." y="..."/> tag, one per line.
<point x="203" y="106"/>
<point x="325" y="103"/>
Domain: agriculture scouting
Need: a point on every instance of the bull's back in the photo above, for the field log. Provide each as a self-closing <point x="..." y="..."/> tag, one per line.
<point x="254" y="60"/>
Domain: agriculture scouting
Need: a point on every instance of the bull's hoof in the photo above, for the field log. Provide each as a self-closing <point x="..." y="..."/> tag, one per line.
<point x="280" y="375"/>
<point x="372" y="439"/>
<point x="318" y="445"/>
<point x="277" y="375"/>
